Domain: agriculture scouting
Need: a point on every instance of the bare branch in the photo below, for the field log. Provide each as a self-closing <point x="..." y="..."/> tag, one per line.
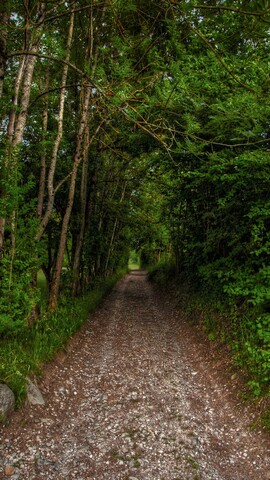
<point x="51" y="90"/>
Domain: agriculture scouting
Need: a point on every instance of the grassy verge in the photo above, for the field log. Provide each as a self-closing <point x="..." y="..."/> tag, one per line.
<point x="226" y="324"/>
<point x="25" y="354"/>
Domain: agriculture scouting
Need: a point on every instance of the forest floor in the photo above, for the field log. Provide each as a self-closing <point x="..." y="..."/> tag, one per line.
<point x="139" y="394"/>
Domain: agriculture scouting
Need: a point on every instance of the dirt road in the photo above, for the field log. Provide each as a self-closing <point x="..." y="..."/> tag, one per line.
<point x="136" y="397"/>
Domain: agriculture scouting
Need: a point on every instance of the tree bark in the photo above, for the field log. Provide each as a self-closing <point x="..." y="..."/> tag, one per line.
<point x="16" y="125"/>
<point x="53" y="300"/>
<point x="4" y="16"/>
<point x="114" y="231"/>
<point x="27" y="80"/>
<point x="15" y="100"/>
<point x="50" y="182"/>
<point x="80" y="237"/>
<point x="42" y="176"/>
<point x="2" y="234"/>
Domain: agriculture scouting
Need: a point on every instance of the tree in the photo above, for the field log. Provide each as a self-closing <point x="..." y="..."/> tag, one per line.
<point x="122" y="105"/>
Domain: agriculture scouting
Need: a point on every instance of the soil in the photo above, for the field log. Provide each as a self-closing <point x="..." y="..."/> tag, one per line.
<point x="139" y="394"/>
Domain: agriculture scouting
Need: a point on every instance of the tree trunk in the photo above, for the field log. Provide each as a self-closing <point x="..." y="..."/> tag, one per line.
<point x="4" y="16"/>
<point x="27" y="79"/>
<point x="10" y="132"/>
<point x="80" y="237"/>
<point x="2" y="233"/>
<point x="51" y="189"/>
<point x="16" y="125"/>
<point x="63" y="237"/>
<point x="15" y="100"/>
<point x="42" y="175"/>
<point x="114" y="231"/>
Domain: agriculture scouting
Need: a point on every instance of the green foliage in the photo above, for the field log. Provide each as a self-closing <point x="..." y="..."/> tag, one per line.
<point x="21" y="259"/>
<point x="265" y="420"/>
<point x="38" y="343"/>
<point x="178" y="171"/>
<point x="134" y="260"/>
<point x="248" y="334"/>
<point x="252" y="351"/>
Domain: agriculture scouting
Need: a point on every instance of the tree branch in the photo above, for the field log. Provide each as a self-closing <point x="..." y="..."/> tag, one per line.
<point x="68" y="12"/>
<point x="234" y="10"/>
<point x="56" y="59"/>
<point x="51" y="90"/>
<point x="246" y="87"/>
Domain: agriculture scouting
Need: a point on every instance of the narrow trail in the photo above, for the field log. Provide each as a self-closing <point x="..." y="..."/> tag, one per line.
<point x="134" y="398"/>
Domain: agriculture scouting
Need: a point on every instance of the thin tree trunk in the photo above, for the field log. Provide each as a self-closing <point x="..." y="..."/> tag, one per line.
<point x="63" y="237"/>
<point x="17" y="86"/>
<point x="42" y="176"/>
<point x="4" y="16"/>
<point x="110" y="246"/>
<point x="16" y="125"/>
<point x="42" y="179"/>
<point x="17" y="139"/>
<point x="2" y="234"/>
<point x="51" y="189"/>
<point x="27" y="80"/>
<point x="10" y="132"/>
<point x="80" y="237"/>
<point x="114" y="231"/>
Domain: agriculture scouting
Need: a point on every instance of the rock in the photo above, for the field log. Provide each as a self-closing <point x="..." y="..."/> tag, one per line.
<point x="9" y="470"/>
<point x="34" y="395"/>
<point x="46" y="421"/>
<point x="7" y="400"/>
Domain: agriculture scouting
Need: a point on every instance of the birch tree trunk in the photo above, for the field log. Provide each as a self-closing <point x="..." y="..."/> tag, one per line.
<point x="17" y="123"/>
<point x="28" y="71"/>
<point x="4" y="16"/>
<point x="42" y="176"/>
<point x="15" y="100"/>
<point x="10" y="132"/>
<point x="114" y="231"/>
<point x="53" y="300"/>
<point x="51" y="189"/>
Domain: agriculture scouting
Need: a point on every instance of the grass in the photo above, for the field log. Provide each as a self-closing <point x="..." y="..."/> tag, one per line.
<point x="26" y="353"/>
<point x="42" y="284"/>
<point x="134" y="261"/>
<point x="133" y="266"/>
<point x="265" y="420"/>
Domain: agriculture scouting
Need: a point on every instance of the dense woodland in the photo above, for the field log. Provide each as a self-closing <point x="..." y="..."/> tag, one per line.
<point x="137" y="125"/>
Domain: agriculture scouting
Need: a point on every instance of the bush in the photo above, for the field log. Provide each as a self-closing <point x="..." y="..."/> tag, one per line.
<point x="243" y="326"/>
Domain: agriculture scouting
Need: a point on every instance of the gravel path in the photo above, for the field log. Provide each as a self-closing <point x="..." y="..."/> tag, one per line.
<point x="136" y="397"/>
